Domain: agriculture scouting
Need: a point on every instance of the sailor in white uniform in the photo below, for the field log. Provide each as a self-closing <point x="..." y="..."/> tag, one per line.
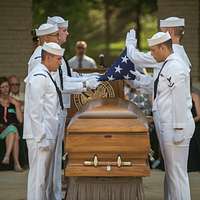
<point x="55" y="30"/>
<point x="67" y="77"/>
<point x="172" y="116"/>
<point x="175" y="27"/>
<point x="41" y="120"/>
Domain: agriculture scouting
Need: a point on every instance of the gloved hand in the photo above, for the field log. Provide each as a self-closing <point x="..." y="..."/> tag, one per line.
<point x="75" y="74"/>
<point x="130" y="38"/>
<point x="44" y="144"/>
<point x="137" y="74"/>
<point x="178" y="137"/>
<point x="92" y="83"/>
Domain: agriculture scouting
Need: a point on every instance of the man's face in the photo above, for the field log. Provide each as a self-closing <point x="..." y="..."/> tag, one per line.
<point x="54" y="62"/>
<point x="80" y="50"/>
<point x="63" y="34"/>
<point x="14" y="85"/>
<point x="4" y="88"/>
<point x="53" y="37"/>
<point x="157" y="53"/>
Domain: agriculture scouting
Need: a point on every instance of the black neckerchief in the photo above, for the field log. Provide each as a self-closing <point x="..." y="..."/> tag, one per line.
<point x="57" y="90"/>
<point x="157" y="80"/>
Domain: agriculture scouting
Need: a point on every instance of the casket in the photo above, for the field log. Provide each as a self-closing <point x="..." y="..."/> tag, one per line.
<point x="108" y="137"/>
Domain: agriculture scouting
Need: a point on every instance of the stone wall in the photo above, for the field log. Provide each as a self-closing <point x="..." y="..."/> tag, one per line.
<point x="189" y="9"/>
<point x="15" y="37"/>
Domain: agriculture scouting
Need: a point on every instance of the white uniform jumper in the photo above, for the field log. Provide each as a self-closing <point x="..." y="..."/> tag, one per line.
<point x="71" y="85"/>
<point x="175" y="156"/>
<point x="170" y="111"/>
<point x="40" y="130"/>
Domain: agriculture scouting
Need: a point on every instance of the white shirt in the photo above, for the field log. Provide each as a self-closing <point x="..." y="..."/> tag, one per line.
<point x="41" y="106"/>
<point x="171" y="99"/>
<point x="86" y="61"/>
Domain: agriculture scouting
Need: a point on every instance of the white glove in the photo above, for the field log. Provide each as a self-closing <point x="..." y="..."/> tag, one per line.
<point x="75" y="74"/>
<point x="137" y="74"/>
<point x="92" y="83"/>
<point x="44" y="144"/>
<point x="130" y="38"/>
<point x="178" y="137"/>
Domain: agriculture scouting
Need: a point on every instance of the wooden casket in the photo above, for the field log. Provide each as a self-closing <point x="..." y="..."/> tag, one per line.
<point x="109" y="138"/>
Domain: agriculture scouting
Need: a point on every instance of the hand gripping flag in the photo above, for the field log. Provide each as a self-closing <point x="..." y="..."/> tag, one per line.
<point x="121" y="69"/>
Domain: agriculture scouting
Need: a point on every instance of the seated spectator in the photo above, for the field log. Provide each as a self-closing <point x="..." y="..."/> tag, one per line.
<point x="10" y="117"/>
<point x="80" y="60"/>
<point x="15" y="89"/>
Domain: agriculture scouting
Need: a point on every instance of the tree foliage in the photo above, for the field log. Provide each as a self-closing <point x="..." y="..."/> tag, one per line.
<point x="99" y="22"/>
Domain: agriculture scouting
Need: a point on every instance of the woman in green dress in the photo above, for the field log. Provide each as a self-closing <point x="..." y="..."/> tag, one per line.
<point x="10" y="117"/>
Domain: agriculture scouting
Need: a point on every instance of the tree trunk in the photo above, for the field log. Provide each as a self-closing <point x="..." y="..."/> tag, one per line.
<point x="108" y="14"/>
<point x="138" y="25"/>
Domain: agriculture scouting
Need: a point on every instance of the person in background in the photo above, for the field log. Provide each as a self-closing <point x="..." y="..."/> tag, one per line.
<point x="15" y="89"/>
<point x="10" y="117"/>
<point x="81" y="60"/>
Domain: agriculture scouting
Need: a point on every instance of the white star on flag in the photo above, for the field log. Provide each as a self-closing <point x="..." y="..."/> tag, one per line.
<point x="127" y="77"/>
<point x="124" y="59"/>
<point x="118" y="69"/>
<point x="110" y="78"/>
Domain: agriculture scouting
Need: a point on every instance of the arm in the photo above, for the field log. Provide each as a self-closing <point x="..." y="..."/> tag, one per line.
<point x="17" y="105"/>
<point x="36" y="91"/>
<point x="179" y="101"/>
<point x="141" y="59"/>
<point x="142" y="81"/>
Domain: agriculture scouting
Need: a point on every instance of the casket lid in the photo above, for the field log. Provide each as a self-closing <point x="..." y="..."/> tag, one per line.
<point x="108" y="115"/>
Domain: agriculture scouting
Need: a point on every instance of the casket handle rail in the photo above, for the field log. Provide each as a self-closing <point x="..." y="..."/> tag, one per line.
<point x="119" y="163"/>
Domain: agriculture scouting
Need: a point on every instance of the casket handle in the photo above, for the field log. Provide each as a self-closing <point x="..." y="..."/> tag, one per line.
<point x="118" y="163"/>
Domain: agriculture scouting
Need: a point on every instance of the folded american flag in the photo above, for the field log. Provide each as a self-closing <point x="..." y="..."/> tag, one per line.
<point x="121" y="69"/>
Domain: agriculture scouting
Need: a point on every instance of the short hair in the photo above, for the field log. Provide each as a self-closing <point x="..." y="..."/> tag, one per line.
<point x="3" y="79"/>
<point x="81" y="43"/>
<point x="179" y="31"/>
<point x="12" y="76"/>
<point x="167" y="43"/>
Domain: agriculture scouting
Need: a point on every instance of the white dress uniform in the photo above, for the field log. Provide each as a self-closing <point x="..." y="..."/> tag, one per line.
<point x="170" y="111"/>
<point x="40" y="130"/>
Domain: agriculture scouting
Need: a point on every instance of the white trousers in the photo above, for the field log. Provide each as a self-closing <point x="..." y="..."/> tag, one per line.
<point x="39" y="176"/>
<point x="57" y="161"/>
<point x="176" y="182"/>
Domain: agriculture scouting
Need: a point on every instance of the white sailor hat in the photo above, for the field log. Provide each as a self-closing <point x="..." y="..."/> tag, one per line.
<point x="172" y="22"/>
<point x="46" y="29"/>
<point x="53" y="48"/>
<point x="59" y="21"/>
<point x="158" y="38"/>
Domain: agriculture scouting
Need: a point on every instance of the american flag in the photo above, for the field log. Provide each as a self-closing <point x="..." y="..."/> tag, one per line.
<point x="121" y="69"/>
